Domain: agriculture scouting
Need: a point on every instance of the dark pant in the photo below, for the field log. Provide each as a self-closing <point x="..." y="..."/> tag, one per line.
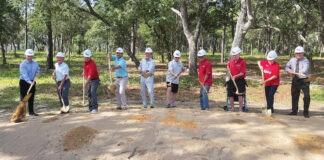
<point x="65" y="92"/>
<point x="296" y="86"/>
<point x="24" y="86"/>
<point x="270" y="91"/>
<point x="92" y="94"/>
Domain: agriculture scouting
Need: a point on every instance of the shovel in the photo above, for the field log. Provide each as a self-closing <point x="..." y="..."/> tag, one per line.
<point x="265" y="111"/>
<point x="64" y="109"/>
<point x="237" y="93"/>
<point x="309" y="78"/>
<point x="20" y="113"/>
<point x="112" y="87"/>
<point x="202" y="85"/>
<point x="83" y="90"/>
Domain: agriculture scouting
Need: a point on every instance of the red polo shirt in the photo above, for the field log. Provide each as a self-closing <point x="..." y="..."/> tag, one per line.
<point x="204" y="69"/>
<point x="269" y="71"/>
<point x="90" y="69"/>
<point x="237" y="67"/>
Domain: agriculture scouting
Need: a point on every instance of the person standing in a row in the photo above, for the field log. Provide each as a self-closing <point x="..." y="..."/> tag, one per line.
<point x="175" y="68"/>
<point x="61" y="74"/>
<point x="205" y="79"/>
<point x="121" y="77"/>
<point x="271" y="77"/>
<point x="299" y="67"/>
<point x="237" y="68"/>
<point x="91" y="74"/>
<point x="29" y="70"/>
<point x="147" y="67"/>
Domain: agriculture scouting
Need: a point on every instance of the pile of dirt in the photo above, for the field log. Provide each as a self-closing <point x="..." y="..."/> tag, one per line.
<point x="311" y="143"/>
<point x="52" y="119"/>
<point x="78" y="137"/>
<point x="141" y="118"/>
<point x="173" y="121"/>
<point x="237" y="121"/>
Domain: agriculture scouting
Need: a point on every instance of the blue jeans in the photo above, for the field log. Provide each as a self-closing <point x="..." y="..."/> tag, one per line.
<point x="204" y="97"/>
<point x="92" y="94"/>
<point x="270" y="91"/>
<point x="65" y="92"/>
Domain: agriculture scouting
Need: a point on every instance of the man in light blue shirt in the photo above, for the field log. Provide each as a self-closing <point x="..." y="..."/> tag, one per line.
<point x="120" y="68"/>
<point x="175" y="68"/>
<point x="147" y="67"/>
<point x="61" y="76"/>
<point x="29" y="70"/>
<point x="298" y="66"/>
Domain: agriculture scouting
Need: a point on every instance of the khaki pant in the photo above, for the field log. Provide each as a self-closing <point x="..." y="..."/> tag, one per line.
<point x="120" y="91"/>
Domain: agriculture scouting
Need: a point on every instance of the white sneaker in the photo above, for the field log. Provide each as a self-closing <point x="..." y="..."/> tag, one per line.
<point x="94" y="111"/>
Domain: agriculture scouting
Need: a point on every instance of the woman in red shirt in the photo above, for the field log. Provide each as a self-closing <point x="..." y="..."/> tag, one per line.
<point x="271" y="77"/>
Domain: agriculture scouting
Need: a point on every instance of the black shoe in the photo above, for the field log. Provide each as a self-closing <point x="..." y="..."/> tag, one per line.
<point x="33" y="114"/>
<point x="292" y="114"/>
<point x="306" y="115"/>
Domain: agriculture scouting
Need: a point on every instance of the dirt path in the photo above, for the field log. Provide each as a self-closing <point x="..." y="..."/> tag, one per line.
<point x="160" y="133"/>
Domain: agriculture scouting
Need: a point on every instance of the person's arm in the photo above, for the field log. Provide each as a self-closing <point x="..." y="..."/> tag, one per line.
<point x="242" y="71"/>
<point x="140" y="68"/>
<point x="87" y="82"/>
<point x="288" y="66"/>
<point x="62" y="83"/>
<point x="270" y="79"/>
<point x="37" y="71"/>
<point x="23" y="72"/>
<point x="208" y="72"/>
<point x="151" y="67"/>
<point x="54" y="75"/>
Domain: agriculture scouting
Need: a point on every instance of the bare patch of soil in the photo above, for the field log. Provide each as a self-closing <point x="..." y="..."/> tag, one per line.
<point x="171" y="120"/>
<point x="275" y="119"/>
<point x="237" y="121"/>
<point x="311" y="143"/>
<point x="78" y="137"/>
<point x="141" y="118"/>
<point x="52" y="119"/>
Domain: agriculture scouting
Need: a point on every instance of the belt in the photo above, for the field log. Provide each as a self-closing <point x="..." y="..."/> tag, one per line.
<point x="121" y="77"/>
<point x="95" y="79"/>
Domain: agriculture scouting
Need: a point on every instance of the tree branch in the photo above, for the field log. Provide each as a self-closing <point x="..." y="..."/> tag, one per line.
<point x="176" y="12"/>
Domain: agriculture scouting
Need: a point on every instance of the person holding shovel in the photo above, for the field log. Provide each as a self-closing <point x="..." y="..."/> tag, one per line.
<point x="121" y="77"/>
<point x="237" y="69"/>
<point x="298" y="66"/>
<point x="146" y="70"/>
<point x="29" y="70"/>
<point x="270" y="69"/>
<point x="62" y="78"/>
<point x="92" y="81"/>
<point x="205" y="79"/>
<point x="175" y="68"/>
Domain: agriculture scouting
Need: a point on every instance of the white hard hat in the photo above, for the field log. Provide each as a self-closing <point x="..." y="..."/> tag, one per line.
<point x="29" y="52"/>
<point x="60" y="54"/>
<point x="299" y="49"/>
<point x="119" y="50"/>
<point x="177" y="53"/>
<point x="87" y="53"/>
<point x="148" y="50"/>
<point x="272" y="55"/>
<point x="236" y="51"/>
<point x="202" y="52"/>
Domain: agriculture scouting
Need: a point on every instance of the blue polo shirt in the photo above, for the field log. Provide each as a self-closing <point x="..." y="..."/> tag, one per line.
<point x="61" y="70"/>
<point x="28" y="70"/>
<point x="120" y="72"/>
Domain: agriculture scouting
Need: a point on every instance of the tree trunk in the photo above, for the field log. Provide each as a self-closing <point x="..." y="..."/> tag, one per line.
<point x="251" y="48"/>
<point x="26" y="27"/>
<point x="3" y="50"/>
<point x="62" y="46"/>
<point x="192" y="39"/>
<point x="15" y="49"/>
<point x="49" y="64"/>
<point x="223" y="43"/>
<point x="133" y="43"/>
<point x="241" y="26"/>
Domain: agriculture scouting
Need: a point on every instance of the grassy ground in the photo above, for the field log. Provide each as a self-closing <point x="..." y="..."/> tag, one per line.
<point x="46" y="92"/>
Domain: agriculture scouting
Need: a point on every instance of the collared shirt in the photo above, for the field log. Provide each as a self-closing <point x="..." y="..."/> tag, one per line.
<point x="237" y="67"/>
<point x="61" y="70"/>
<point x="90" y="69"/>
<point x="270" y="70"/>
<point x="28" y="70"/>
<point x="176" y="68"/>
<point x="303" y="66"/>
<point x="204" y="69"/>
<point x="147" y="65"/>
<point x="120" y="72"/>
